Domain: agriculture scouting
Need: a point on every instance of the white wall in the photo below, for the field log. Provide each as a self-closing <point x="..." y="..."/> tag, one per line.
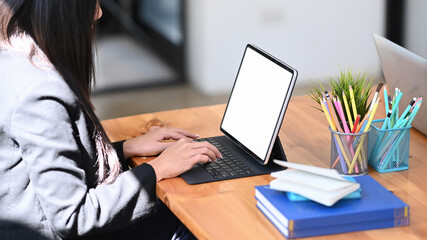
<point x="314" y="36"/>
<point x="415" y="28"/>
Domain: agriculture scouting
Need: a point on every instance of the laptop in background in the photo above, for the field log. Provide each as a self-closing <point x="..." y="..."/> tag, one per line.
<point x="251" y="121"/>
<point x="407" y="71"/>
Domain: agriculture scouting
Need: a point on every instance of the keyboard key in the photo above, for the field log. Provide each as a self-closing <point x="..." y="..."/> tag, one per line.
<point x="226" y="166"/>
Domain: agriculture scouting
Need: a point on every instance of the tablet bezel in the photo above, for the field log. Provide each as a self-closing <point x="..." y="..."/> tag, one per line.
<point x="285" y="103"/>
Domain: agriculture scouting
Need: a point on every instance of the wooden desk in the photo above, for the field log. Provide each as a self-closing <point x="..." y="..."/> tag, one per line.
<point x="226" y="209"/>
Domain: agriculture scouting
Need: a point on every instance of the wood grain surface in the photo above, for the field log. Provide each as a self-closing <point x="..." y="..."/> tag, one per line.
<point x="226" y="209"/>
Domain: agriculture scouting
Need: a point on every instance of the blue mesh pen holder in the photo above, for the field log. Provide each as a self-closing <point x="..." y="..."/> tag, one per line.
<point x="388" y="149"/>
<point x="349" y="153"/>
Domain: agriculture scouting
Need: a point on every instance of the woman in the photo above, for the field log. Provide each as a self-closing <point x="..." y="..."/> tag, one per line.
<point x="59" y="173"/>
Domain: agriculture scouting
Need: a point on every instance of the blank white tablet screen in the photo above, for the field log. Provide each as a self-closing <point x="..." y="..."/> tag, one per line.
<point x="256" y="102"/>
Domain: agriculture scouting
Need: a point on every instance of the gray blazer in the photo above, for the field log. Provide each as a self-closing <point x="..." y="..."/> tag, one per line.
<point x="47" y="161"/>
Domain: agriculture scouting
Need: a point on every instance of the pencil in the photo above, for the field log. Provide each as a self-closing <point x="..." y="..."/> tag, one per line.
<point x="404" y="123"/>
<point x="406" y="110"/>
<point x="353" y="102"/>
<point x="393" y="119"/>
<point x="380" y="136"/>
<point x="415" y="104"/>
<point x="356" y="124"/>
<point x="374" y="99"/>
<point x="347" y="109"/>
<point x="342" y="116"/>
<point x="338" y="106"/>
<point x="328" y="117"/>
<point x="414" y="113"/>
<point x="385" y="100"/>
<point x="386" y="143"/>
<point x="332" y="112"/>
<point x="337" y="142"/>
<point x="359" y="148"/>
<point x="396" y="116"/>
<point x="368" y="125"/>
<point x="363" y="121"/>
<point x="335" y="117"/>
<point x="387" y="120"/>
<point x="392" y="148"/>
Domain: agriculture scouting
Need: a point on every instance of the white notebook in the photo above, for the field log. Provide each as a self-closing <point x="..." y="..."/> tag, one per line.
<point x="321" y="185"/>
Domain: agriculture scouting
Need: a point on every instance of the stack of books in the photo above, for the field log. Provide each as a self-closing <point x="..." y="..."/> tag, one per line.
<point x="376" y="208"/>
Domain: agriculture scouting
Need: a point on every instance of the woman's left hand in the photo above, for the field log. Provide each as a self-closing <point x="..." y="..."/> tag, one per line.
<point x="152" y="143"/>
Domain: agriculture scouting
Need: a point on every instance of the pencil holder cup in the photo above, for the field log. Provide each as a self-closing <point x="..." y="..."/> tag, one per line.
<point x="349" y="153"/>
<point x="389" y="149"/>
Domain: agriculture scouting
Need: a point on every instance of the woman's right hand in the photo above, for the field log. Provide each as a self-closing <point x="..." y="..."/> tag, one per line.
<point x="182" y="156"/>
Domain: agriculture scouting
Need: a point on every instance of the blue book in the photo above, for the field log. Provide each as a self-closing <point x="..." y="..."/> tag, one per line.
<point x="376" y="204"/>
<point x="343" y="228"/>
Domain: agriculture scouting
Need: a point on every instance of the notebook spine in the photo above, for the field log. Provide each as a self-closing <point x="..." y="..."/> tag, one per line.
<point x="400" y="216"/>
<point x="291" y="232"/>
<point x="399" y="219"/>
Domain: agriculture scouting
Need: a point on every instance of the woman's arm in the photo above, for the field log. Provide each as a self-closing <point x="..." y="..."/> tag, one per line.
<point x="51" y="133"/>
<point x="153" y="142"/>
<point x="176" y="157"/>
<point x="118" y="146"/>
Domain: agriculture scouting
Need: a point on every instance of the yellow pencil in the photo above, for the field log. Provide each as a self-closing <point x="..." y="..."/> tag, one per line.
<point x="367" y="115"/>
<point x="372" y="115"/>
<point x="347" y="109"/>
<point x="328" y="117"/>
<point x="353" y="102"/>
<point x="325" y="111"/>
<point x="331" y="110"/>
<point x="359" y="148"/>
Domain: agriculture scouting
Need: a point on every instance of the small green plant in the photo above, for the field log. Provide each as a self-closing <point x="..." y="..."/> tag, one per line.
<point x="358" y="81"/>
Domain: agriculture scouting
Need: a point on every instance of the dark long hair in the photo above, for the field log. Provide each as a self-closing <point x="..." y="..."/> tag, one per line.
<point x="64" y="31"/>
